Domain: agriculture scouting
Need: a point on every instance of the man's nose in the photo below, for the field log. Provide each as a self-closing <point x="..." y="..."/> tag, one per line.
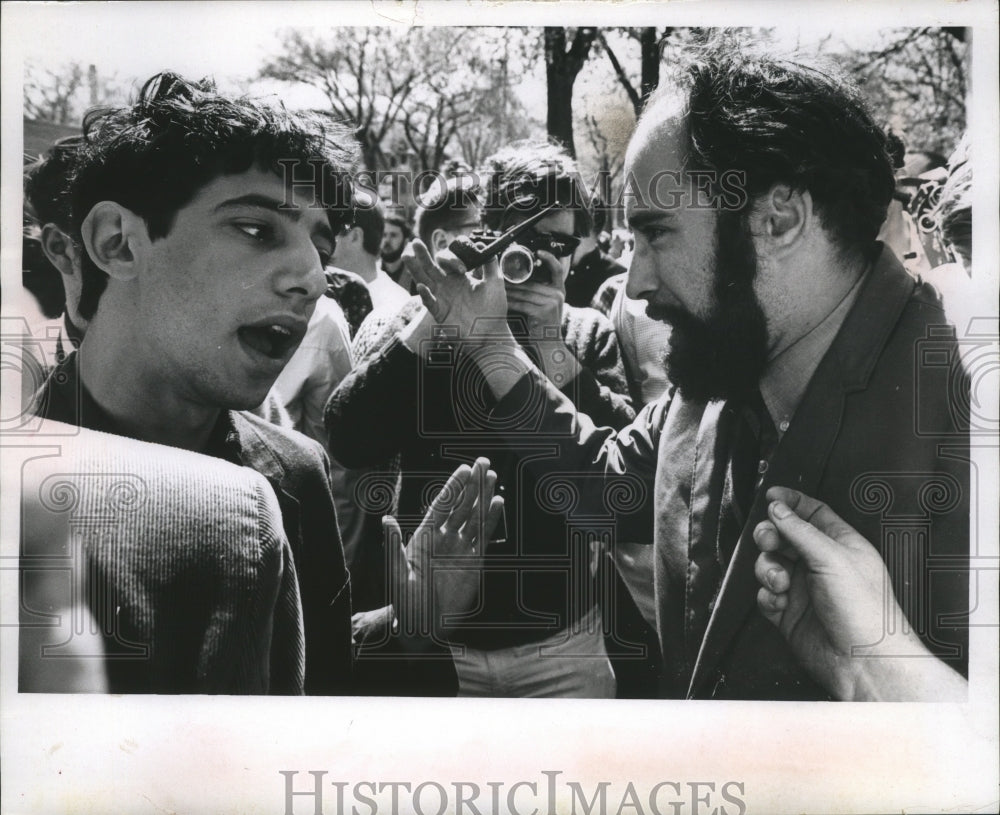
<point x="301" y="273"/>
<point x="638" y="283"/>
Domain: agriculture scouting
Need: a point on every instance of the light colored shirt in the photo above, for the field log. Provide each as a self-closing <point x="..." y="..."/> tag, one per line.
<point x="386" y="293"/>
<point x="315" y="369"/>
<point x="643" y="341"/>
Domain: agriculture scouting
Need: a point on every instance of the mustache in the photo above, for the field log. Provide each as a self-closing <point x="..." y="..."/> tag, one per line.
<point x="667" y="313"/>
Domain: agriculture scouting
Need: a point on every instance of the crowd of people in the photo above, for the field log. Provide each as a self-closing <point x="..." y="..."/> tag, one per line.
<point x="669" y="460"/>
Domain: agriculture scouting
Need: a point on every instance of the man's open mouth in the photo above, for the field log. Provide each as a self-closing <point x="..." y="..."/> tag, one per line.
<point x="274" y="341"/>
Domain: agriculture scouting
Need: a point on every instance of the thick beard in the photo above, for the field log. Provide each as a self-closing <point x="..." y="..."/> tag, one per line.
<point x="392" y="257"/>
<point x="722" y="356"/>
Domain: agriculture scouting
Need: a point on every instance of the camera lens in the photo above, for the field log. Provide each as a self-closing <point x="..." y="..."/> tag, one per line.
<point x="517" y="264"/>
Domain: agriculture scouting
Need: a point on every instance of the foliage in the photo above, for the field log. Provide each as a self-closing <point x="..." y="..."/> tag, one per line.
<point x="401" y="89"/>
<point x="62" y="94"/>
<point x="917" y="79"/>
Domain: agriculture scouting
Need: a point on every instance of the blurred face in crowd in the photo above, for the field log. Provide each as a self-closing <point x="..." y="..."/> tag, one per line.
<point x="217" y="307"/>
<point x="466" y="221"/>
<point x="393" y="242"/>
<point x="694" y="265"/>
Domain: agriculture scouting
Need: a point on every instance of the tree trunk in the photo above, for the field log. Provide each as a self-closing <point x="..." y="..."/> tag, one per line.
<point x="650" y="49"/>
<point x="561" y="69"/>
<point x="370" y="152"/>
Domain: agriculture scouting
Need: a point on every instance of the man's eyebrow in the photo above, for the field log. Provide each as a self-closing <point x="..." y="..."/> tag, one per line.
<point x="646" y="217"/>
<point x="255" y="199"/>
<point x="277" y="205"/>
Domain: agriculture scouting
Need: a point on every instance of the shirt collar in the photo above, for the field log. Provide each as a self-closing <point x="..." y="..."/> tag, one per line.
<point x="786" y="376"/>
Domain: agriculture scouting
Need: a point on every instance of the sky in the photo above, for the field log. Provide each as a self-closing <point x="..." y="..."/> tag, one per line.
<point x="231" y="41"/>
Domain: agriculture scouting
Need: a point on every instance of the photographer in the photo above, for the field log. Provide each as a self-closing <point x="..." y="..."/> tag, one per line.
<point x="538" y="629"/>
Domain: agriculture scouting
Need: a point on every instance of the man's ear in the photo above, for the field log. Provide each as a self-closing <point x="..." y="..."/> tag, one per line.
<point x="439" y="241"/>
<point x="114" y="237"/>
<point x="783" y="215"/>
<point x="59" y="249"/>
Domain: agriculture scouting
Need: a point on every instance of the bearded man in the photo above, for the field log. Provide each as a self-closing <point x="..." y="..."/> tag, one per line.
<point x="802" y="356"/>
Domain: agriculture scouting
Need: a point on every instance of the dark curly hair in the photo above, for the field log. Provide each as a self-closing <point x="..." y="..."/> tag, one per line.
<point x="155" y="155"/>
<point x="781" y="121"/>
<point x="47" y="183"/>
<point x="526" y="176"/>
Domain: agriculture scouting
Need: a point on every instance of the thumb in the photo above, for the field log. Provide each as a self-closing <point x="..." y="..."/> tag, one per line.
<point x="812" y="545"/>
<point x="491" y="269"/>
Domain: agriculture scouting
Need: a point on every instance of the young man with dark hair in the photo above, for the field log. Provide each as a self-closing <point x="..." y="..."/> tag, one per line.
<point x="797" y="360"/>
<point x="205" y="223"/>
<point x="450" y="208"/>
<point x="358" y="251"/>
<point x="46" y="191"/>
<point x="538" y="630"/>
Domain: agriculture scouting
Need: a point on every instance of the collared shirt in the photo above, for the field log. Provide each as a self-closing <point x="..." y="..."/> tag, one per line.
<point x="400" y="275"/>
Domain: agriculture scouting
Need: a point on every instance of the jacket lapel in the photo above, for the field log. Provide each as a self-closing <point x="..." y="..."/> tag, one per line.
<point x="800" y="458"/>
<point x="258" y="455"/>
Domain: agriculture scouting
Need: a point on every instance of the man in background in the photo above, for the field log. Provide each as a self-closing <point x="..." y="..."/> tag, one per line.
<point x="358" y="250"/>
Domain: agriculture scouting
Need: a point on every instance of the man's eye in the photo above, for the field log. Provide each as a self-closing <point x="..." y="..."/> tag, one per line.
<point x="652" y="233"/>
<point x="325" y="255"/>
<point x="259" y="232"/>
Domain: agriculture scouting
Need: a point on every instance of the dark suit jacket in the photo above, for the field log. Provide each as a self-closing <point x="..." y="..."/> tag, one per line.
<point x="881" y="436"/>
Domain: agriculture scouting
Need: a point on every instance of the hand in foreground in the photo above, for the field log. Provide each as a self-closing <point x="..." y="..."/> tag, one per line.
<point x="827" y="590"/>
<point x="473" y="301"/>
<point x="68" y="655"/>
<point x="541" y="306"/>
<point x="438" y="572"/>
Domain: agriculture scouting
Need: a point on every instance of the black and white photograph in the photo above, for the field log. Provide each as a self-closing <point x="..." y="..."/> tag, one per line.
<point x="509" y="408"/>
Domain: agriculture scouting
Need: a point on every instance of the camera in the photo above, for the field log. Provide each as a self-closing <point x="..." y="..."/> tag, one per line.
<point x="518" y="262"/>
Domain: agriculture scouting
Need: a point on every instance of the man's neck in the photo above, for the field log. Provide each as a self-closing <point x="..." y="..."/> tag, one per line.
<point x="136" y="397"/>
<point x="393" y="269"/>
<point x="804" y="298"/>
<point x="367" y="268"/>
<point x="791" y="367"/>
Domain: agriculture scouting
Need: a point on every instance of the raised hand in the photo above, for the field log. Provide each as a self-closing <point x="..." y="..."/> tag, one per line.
<point x="827" y="590"/>
<point x="472" y="301"/>
<point x="438" y="572"/>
